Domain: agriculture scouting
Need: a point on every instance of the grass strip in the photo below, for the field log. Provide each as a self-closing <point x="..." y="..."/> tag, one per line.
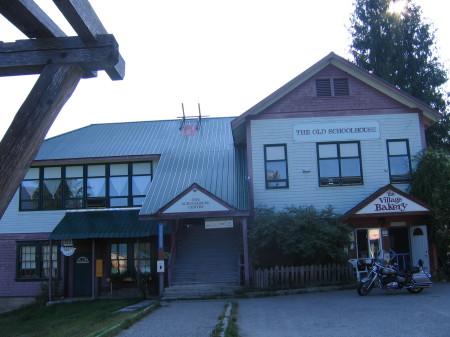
<point x="77" y="319"/>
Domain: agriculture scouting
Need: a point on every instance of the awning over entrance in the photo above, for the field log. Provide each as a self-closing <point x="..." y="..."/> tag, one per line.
<point x="105" y="224"/>
<point x="387" y="201"/>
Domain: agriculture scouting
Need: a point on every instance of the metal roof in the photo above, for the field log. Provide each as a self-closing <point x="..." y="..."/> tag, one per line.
<point x="137" y="138"/>
<point x="105" y="224"/>
<point x="208" y="158"/>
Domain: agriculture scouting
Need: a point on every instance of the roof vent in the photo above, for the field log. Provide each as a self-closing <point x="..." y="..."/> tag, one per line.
<point x="341" y="87"/>
<point x="323" y="87"/>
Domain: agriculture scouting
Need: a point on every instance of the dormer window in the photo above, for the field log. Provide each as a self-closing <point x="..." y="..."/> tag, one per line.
<point x="339" y="87"/>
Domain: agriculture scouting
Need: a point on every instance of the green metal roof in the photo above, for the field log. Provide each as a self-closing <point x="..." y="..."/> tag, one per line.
<point x="105" y="224"/>
<point x="208" y="157"/>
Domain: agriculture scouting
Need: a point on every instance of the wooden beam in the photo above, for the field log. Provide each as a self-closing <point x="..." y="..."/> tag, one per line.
<point x="84" y="20"/>
<point x="33" y="120"/>
<point x="29" y="18"/>
<point x="26" y="57"/>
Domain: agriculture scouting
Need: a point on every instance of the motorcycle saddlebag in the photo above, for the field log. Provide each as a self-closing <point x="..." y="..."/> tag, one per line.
<point x="421" y="280"/>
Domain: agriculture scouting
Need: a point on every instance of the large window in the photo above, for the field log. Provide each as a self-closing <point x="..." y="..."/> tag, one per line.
<point x="86" y="186"/>
<point x="276" y="166"/>
<point x="130" y="257"/>
<point x="399" y="161"/>
<point x="35" y="260"/>
<point x="339" y="164"/>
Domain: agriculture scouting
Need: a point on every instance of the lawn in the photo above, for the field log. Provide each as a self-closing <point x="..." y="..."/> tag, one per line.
<point x="86" y="318"/>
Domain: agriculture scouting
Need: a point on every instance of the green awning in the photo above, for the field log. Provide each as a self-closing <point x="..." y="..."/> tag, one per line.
<point x="105" y="224"/>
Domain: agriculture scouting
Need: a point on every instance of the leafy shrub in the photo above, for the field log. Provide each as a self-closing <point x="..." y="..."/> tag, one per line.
<point x="297" y="236"/>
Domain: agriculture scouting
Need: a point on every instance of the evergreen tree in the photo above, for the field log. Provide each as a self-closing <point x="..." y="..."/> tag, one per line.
<point x="399" y="47"/>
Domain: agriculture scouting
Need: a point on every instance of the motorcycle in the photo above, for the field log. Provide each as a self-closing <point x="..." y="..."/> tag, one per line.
<point x="388" y="277"/>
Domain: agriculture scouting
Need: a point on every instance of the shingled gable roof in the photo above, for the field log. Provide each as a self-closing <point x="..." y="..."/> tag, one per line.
<point x="431" y="116"/>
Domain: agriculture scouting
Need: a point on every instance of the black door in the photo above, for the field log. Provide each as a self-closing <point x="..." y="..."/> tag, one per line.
<point x="82" y="272"/>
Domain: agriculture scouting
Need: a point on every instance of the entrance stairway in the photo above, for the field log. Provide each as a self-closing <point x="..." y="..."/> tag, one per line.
<point x="206" y="263"/>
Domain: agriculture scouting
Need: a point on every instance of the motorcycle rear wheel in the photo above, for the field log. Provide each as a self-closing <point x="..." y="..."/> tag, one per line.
<point x="364" y="288"/>
<point x="414" y="290"/>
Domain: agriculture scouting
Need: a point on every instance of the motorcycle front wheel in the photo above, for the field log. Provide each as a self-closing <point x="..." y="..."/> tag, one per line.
<point x="365" y="287"/>
<point x="414" y="290"/>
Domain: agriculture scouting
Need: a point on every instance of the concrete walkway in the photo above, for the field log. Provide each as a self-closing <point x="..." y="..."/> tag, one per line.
<point x="180" y="318"/>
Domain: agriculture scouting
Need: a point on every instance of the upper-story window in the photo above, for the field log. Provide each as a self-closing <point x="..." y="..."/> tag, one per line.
<point x="85" y="186"/>
<point x="327" y="87"/>
<point x="339" y="164"/>
<point x="399" y="161"/>
<point x="276" y="166"/>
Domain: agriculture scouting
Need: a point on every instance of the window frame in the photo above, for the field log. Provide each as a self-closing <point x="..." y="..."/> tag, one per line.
<point x="81" y="202"/>
<point x="339" y="159"/>
<point x="38" y="261"/>
<point x="389" y="156"/>
<point x="268" y="181"/>
<point x="131" y="259"/>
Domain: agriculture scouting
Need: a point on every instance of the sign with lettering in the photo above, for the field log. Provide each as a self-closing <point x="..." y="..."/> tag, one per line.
<point x="392" y="202"/>
<point x="218" y="223"/>
<point x="315" y="132"/>
<point x="195" y="201"/>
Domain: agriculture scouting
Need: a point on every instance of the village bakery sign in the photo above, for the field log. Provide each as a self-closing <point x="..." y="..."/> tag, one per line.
<point x="316" y="132"/>
<point x="391" y="202"/>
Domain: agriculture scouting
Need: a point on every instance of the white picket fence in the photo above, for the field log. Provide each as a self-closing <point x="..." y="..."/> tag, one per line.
<point x="303" y="276"/>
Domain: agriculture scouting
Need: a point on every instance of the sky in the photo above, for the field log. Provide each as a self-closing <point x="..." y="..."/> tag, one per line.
<point x="224" y="55"/>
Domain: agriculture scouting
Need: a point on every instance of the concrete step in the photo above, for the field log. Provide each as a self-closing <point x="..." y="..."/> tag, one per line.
<point x="201" y="290"/>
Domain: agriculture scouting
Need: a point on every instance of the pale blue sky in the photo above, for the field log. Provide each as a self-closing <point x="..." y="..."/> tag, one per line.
<point x="225" y="55"/>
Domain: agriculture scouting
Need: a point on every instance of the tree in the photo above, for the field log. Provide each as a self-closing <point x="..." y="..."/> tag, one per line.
<point x="399" y="47"/>
<point x="297" y="236"/>
<point x="430" y="182"/>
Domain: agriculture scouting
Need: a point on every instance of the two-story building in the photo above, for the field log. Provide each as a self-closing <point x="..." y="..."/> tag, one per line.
<point x="114" y="199"/>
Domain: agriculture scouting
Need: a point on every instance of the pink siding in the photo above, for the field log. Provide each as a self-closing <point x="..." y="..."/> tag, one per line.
<point x="9" y="287"/>
<point x="363" y="99"/>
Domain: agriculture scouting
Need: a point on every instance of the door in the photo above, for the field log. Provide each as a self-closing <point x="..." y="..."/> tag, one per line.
<point x="82" y="269"/>
<point x="419" y="246"/>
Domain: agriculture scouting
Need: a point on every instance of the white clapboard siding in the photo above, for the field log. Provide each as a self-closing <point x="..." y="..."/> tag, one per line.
<point x="304" y="187"/>
<point x="14" y="221"/>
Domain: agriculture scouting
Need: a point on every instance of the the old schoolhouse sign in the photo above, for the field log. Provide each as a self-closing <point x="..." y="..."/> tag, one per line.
<point x="315" y="132"/>
<point x="195" y="201"/>
<point x="392" y="202"/>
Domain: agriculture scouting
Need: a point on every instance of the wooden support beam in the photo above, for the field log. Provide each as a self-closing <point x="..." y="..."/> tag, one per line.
<point x="30" y="19"/>
<point x="84" y="20"/>
<point x="26" y="57"/>
<point x="33" y="120"/>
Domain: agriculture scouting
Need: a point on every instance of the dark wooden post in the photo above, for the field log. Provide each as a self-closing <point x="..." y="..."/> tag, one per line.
<point x="32" y="122"/>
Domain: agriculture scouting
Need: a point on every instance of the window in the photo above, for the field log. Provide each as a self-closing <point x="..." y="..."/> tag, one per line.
<point x="368" y="242"/>
<point x="119" y="258"/>
<point x="29" y="190"/>
<point x="140" y="180"/>
<point x="52" y="188"/>
<point x="130" y="257"/>
<point x="96" y="186"/>
<point x="74" y="187"/>
<point x="91" y="186"/>
<point x="142" y="261"/>
<point x="34" y="260"/>
<point x="399" y="161"/>
<point x="275" y="157"/>
<point x="118" y="185"/>
<point x="339" y="164"/>
<point x="339" y="88"/>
